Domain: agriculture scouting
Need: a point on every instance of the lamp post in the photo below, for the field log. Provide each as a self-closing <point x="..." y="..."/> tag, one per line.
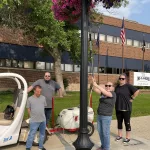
<point x="83" y="141"/>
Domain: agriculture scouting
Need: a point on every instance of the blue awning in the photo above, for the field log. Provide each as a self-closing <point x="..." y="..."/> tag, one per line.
<point x="28" y="53"/>
<point x="21" y="52"/>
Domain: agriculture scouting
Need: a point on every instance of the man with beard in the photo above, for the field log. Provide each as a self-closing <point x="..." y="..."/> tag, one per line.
<point x="48" y="90"/>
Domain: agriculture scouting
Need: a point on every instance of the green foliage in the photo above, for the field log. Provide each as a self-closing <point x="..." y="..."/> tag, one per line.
<point x="36" y="18"/>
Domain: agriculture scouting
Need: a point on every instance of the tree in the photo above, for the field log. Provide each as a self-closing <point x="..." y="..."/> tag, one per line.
<point x="36" y="18"/>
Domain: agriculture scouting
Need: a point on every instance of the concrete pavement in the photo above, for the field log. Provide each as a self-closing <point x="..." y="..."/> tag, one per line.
<point x="63" y="140"/>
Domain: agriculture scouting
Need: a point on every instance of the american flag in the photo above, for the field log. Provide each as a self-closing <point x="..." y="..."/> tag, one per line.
<point x="122" y="34"/>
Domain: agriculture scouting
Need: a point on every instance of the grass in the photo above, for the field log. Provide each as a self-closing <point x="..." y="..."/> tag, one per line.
<point x="141" y="105"/>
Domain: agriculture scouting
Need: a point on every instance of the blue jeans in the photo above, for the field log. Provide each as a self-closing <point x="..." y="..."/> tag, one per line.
<point x="33" y="129"/>
<point x="48" y="114"/>
<point x="103" y="127"/>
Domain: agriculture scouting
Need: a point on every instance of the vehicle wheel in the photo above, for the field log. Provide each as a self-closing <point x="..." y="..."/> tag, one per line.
<point x="90" y="128"/>
<point x="36" y="139"/>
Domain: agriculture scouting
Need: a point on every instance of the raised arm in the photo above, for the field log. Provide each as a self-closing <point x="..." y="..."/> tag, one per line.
<point x="100" y="89"/>
<point x="30" y="88"/>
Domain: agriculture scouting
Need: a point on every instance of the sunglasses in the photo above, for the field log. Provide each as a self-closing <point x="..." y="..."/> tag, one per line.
<point x="47" y="76"/>
<point x="121" y="78"/>
<point x="108" y="85"/>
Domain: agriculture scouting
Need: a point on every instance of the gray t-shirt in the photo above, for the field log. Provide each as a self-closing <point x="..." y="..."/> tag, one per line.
<point x="37" y="106"/>
<point x="48" y="90"/>
<point x="106" y="105"/>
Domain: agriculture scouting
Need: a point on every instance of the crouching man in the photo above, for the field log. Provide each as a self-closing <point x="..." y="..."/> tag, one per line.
<point x="36" y="105"/>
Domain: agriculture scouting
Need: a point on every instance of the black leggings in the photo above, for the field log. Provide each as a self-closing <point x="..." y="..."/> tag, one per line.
<point x="123" y="115"/>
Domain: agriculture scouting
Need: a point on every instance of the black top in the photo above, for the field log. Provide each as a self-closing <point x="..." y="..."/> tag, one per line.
<point x="124" y="94"/>
<point x="106" y="105"/>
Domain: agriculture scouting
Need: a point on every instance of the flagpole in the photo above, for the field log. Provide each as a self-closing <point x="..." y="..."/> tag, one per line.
<point x="107" y="63"/>
<point x="143" y="62"/>
<point x="122" y="58"/>
<point x="97" y="43"/>
<point x="98" y="64"/>
<point x="123" y="39"/>
<point x="143" y="49"/>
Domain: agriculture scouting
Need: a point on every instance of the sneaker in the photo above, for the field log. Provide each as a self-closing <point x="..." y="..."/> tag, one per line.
<point x="118" y="138"/>
<point x="42" y="148"/>
<point x="126" y="140"/>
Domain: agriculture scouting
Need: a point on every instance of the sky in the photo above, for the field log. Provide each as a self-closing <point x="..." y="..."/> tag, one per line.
<point x="136" y="10"/>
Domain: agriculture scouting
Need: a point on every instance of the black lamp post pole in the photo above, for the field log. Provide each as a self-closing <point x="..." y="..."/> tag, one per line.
<point x="83" y="141"/>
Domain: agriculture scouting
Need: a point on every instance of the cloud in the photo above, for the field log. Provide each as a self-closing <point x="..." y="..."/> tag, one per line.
<point x="134" y="7"/>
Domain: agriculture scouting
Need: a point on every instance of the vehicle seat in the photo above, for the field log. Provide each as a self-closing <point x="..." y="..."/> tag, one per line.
<point x="17" y="102"/>
<point x="5" y="122"/>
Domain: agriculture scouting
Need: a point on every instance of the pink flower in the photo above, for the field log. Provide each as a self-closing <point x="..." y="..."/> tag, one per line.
<point x="70" y="10"/>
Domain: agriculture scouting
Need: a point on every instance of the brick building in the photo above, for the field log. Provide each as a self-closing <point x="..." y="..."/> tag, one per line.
<point x="20" y="54"/>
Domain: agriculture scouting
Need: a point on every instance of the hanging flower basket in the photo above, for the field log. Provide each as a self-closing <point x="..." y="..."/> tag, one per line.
<point x="70" y="10"/>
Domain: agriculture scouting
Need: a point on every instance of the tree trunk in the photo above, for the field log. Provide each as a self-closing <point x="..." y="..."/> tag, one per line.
<point x="57" y="69"/>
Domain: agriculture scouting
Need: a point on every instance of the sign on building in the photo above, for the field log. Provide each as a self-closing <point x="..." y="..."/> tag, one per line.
<point x="141" y="79"/>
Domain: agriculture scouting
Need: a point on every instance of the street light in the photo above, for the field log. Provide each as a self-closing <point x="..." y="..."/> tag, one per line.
<point x="83" y="141"/>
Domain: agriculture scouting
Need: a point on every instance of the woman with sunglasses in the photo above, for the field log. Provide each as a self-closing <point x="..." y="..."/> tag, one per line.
<point x="104" y="111"/>
<point x="125" y="93"/>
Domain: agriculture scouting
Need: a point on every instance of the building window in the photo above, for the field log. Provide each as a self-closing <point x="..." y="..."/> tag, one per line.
<point x="8" y="63"/>
<point x="89" y="69"/>
<point x="115" y="39"/>
<point x="76" y="68"/>
<point x="109" y="38"/>
<point x="118" y="39"/>
<point x="129" y="42"/>
<point x="95" y="69"/>
<point x="92" y="36"/>
<point x="109" y="70"/>
<point x="140" y="44"/>
<point x="20" y="64"/>
<point x="96" y="36"/>
<point x="119" y="71"/>
<point x="2" y="62"/>
<point x="48" y="66"/>
<point x="146" y="45"/>
<point x="52" y="66"/>
<point x="68" y="67"/>
<point x="102" y="70"/>
<point x="114" y="70"/>
<point x="14" y="63"/>
<point x="136" y="43"/>
<point x="40" y="65"/>
<point x="62" y="67"/>
<point x="102" y="37"/>
<point x="28" y="65"/>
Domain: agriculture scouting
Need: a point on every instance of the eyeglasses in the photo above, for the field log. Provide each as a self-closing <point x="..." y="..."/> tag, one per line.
<point x="108" y="85"/>
<point x="47" y="76"/>
<point x="121" y="78"/>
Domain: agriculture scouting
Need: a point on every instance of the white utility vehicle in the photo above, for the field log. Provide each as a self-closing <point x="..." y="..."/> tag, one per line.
<point x="69" y="119"/>
<point x="12" y="131"/>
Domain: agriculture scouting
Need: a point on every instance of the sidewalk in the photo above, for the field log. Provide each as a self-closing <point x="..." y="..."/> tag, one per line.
<point x="140" y="138"/>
